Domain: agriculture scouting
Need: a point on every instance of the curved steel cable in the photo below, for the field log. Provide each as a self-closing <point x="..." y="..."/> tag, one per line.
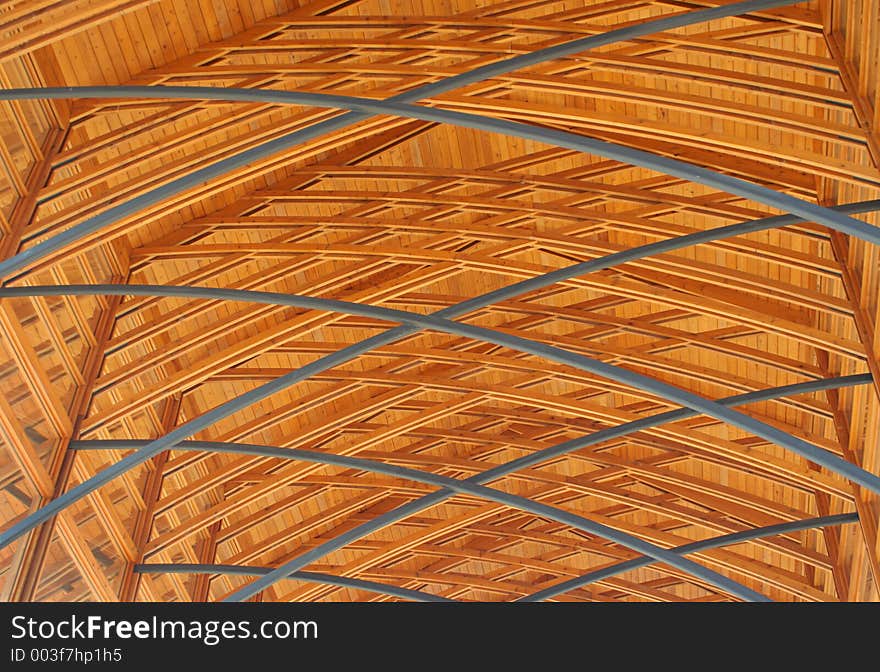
<point x="733" y="185"/>
<point x="704" y="545"/>
<point x="614" y="372"/>
<point x="290" y="140"/>
<point x="432" y="499"/>
<point x="475" y="489"/>
<point x="313" y="577"/>
<point x="547" y="593"/>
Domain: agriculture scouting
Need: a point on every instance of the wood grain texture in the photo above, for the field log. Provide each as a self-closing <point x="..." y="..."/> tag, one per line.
<point x="418" y="216"/>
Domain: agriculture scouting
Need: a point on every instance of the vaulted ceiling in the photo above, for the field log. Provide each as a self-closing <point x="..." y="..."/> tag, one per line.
<point x="412" y="214"/>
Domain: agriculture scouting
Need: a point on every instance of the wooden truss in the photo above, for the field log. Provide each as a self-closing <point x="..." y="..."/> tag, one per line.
<point x="735" y="456"/>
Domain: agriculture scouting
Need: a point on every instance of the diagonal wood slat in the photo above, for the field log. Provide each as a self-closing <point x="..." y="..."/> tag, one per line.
<point x="418" y="216"/>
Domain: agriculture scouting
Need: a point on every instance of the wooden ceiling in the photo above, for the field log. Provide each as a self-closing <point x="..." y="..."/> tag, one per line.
<point x="418" y="216"/>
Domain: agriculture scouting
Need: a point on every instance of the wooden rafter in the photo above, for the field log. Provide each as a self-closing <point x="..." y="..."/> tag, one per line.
<point x="420" y="216"/>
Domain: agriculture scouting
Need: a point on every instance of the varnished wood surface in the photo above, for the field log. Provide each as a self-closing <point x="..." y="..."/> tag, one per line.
<point x="420" y="216"/>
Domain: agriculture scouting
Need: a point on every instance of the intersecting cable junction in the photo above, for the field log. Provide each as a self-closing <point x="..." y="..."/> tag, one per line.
<point x="808" y="211"/>
<point x="255" y="154"/>
<point x="695" y="547"/>
<point x="547" y="593"/>
<point x="815" y="213"/>
<point x="427" y="501"/>
<point x="312" y="577"/>
<point x="352" y="351"/>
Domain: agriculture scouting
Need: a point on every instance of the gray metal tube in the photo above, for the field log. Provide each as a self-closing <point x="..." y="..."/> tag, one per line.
<point x="435" y="498"/>
<point x="808" y="211"/>
<point x="704" y="545"/>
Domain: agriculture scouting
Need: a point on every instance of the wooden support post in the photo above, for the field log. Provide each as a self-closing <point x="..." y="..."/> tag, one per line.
<point x="152" y="492"/>
<point x="865" y="502"/>
<point x="24" y="209"/>
<point x="862" y="107"/>
<point x="831" y="536"/>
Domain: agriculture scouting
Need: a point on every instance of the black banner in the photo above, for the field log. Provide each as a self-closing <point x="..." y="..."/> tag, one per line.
<point x="408" y="635"/>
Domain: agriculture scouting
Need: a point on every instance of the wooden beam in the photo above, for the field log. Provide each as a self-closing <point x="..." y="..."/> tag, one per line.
<point x="38" y="544"/>
<point x="867" y="504"/>
<point x="48" y="482"/>
<point x="861" y="104"/>
<point x="76" y="546"/>
<point x="152" y="492"/>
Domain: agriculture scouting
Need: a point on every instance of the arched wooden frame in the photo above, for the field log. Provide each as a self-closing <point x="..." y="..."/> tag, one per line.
<point x="362" y="109"/>
<point x="313" y="577"/>
<point x="539" y="596"/>
<point x="412" y="322"/>
<point x="433" y="499"/>
<point x="367" y="107"/>
<point x="868" y="233"/>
